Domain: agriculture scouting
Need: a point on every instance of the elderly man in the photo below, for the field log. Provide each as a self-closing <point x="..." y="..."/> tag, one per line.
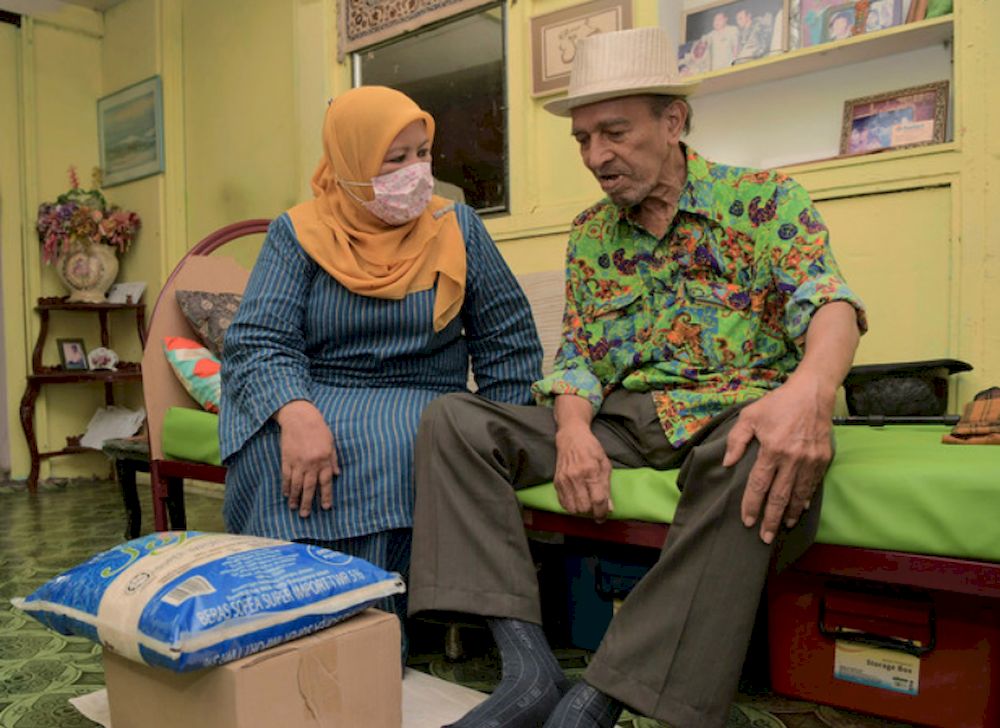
<point x="707" y="327"/>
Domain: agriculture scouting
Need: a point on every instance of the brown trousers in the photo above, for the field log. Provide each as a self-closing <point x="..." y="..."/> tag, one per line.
<point x="675" y="648"/>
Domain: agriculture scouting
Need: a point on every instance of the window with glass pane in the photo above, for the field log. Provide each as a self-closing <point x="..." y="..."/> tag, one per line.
<point x="455" y="71"/>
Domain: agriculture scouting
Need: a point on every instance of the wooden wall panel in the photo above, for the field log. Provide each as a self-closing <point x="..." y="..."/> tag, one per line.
<point x="896" y="251"/>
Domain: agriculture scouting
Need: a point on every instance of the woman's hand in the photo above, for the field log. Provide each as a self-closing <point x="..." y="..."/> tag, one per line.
<point x="308" y="457"/>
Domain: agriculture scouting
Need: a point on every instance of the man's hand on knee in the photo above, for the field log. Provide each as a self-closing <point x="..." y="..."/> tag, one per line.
<point x="583" y="473"/>
<point x="793" y="426"/>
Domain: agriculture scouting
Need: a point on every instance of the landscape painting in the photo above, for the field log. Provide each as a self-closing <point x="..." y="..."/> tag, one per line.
<point x="130" y="130"/>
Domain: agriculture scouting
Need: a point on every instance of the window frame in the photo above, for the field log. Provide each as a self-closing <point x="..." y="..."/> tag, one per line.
<point x="504" y="208"/>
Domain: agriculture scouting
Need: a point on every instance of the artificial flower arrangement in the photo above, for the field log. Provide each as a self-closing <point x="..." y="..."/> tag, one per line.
<point x="84" y="216"/>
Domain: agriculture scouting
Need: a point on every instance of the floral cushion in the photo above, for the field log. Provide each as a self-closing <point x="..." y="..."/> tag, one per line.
<point x="197" y="368"/>
<point x="209" y="315"/>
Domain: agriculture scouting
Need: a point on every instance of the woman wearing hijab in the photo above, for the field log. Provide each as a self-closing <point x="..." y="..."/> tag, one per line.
<point x="365" y="303"/>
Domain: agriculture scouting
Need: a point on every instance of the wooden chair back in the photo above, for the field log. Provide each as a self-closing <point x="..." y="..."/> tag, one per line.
<point x="197" y="270"/>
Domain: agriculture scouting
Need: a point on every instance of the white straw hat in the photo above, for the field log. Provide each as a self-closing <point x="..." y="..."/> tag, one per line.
<point x="622" y="63"/>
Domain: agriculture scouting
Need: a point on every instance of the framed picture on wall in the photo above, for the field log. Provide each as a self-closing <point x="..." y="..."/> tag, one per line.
<point x="909" y="117"/>
<point x="732" y="31"/>
<point x="554" y="36"/>
<point x="824" y="21"/>
<point x="130" y="132"/>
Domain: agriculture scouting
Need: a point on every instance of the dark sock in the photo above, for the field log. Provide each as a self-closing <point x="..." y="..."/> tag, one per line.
<point x="531" y="685"/>
<point x="584" y="706"/>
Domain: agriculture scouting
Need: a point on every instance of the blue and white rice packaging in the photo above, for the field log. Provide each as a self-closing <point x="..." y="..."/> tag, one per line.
<point x="185" y="600"/>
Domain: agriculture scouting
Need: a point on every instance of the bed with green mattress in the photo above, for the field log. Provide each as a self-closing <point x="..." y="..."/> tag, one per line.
<point x="896" y="488"/>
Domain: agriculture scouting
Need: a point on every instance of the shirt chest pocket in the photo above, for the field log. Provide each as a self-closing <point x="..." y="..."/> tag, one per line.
<point x="610" y="323"/>
<point x="611" y="307"/>
<point x="719" y="296"/>
<point x="712" y="323"/>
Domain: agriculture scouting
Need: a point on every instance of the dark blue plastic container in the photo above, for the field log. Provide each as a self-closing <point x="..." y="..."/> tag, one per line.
<point x="596" y="582"/>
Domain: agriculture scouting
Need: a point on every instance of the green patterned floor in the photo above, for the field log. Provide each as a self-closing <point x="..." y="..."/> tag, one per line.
<point x="67" y="522"/>
<point x="40" y="536"/>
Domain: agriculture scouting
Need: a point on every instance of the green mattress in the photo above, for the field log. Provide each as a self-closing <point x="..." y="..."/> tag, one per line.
<point x="896" y="488"/>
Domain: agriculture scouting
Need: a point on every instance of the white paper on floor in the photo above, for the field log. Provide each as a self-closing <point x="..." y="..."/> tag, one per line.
<point x="428" y="702"/>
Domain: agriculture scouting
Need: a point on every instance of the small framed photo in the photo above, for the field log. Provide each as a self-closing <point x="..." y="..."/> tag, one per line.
<point x="909" y="117"/>
<point x="733" y="31"/>
<point x="72" y="354"/>
<point x="130" y="132"/>
<point x="824" y="21"/>
<point x="554" y="36"/>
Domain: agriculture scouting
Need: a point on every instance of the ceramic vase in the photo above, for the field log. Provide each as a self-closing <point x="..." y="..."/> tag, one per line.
<point x="87" y="270"/>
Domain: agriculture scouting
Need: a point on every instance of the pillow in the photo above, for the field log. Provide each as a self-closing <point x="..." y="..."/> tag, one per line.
<point x="209" y="315"/>
<point x="197" y="368"/>
<point x="190" y="434"/>
<point x="186" y="600"/>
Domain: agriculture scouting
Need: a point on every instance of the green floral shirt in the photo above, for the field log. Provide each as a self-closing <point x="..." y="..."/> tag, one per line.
<point x="713" y="314"/>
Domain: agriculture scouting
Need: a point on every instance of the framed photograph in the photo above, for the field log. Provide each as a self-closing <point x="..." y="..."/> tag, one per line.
<point x="733" y="31"/>
<point x="130" y="132"/>
<point x="824" y="21"/>
<point x="72" y="354"/>
<point x="909" y="117"/>
<point x="882" y="14"/>
<point x="554" y="36"/>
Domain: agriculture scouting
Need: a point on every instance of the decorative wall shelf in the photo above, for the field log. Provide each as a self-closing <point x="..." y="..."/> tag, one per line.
<point x="803" y="61"/>
<point x="41" y="374"/>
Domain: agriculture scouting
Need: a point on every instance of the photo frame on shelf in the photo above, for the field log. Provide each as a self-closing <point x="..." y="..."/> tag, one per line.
<point x="130" y="132"/>
<point x="826" y="21"/>
<point x="881" y="14"/>
<point x="72" y="354"/>
<point x="726" y="33"/>
<point x="908" y="117"/>
<point x="554" y="36"/>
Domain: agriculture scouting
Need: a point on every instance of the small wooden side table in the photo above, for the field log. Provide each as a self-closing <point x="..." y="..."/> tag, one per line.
<point x="131" y="456"/>
<point x="41" y="375"/>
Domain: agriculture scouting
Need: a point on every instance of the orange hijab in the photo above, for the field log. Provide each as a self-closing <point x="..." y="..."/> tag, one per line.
<point x="366" y="255"/>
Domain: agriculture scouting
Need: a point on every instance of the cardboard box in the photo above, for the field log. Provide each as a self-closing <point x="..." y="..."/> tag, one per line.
<point x="924" y="656"/>
<point x="347" y="676"/>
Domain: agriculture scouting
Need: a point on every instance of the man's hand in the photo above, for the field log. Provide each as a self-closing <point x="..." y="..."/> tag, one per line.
<point x="793" y="426"/>
<point x="308" y="457"/>
<point x="583" y="470"/>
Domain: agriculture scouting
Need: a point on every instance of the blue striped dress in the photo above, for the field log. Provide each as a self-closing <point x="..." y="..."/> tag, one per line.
<point x="370" y="365"/>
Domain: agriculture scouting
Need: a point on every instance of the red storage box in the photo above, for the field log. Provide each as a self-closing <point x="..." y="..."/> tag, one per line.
<point x="923" y="656"/>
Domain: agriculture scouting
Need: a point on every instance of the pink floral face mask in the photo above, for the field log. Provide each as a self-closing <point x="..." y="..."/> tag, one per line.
<point x="400" y="196"/>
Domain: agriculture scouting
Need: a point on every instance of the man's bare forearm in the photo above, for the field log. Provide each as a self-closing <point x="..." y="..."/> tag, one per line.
<point x="831" y="340"/>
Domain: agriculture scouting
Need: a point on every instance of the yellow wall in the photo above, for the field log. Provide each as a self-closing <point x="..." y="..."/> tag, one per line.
<point x="59" y="59"/>
<point x="240" y="111"/>
<point x="11" y="283"/>
<point x="245" y="86"/>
